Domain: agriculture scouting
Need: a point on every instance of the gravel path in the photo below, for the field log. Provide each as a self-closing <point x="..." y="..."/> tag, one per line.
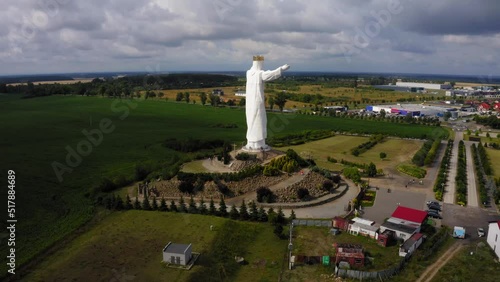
<point x="449" y="195"/>
<point x="433" y="269"/>
<point x="215" y="166"/>
<point x="471" y="177"/>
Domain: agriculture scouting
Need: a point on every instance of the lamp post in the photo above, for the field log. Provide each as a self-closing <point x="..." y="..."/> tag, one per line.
<point x="290" y="247"/>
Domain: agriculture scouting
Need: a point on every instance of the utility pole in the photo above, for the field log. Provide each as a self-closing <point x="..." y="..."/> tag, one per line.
<point x="290" y="246"/>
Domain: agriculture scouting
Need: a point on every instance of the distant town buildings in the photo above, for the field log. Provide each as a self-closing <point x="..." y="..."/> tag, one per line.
<point x="218" y="92"/>
<point x="474" y="92"/>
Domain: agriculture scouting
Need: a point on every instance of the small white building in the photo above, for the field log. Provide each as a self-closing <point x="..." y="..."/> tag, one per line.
<point x="363" y="229"/>
<point x="177" y="253"/>
<point x="410" y="245"/>
<point x="493" y="238"/>
<point x="401" y="231"/>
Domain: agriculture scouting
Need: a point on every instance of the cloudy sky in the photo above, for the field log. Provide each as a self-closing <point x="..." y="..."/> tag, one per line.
<point x="412" y="36"/>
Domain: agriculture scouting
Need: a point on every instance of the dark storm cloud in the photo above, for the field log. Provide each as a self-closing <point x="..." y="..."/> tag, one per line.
<point x="412" y="47"/>
<point x="465" y="17"/>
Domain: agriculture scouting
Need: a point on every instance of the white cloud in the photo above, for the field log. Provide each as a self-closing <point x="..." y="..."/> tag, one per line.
<point x="100" y="35"/>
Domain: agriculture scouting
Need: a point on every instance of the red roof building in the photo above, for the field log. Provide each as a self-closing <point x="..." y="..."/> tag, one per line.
<point x="496" y="107"/>
<point x="352" y="254"/>
<point x="340" y="223"/>
<point x="409" y="215"/>
<point x="404" y="222"/>
<point x="484" y="107"/>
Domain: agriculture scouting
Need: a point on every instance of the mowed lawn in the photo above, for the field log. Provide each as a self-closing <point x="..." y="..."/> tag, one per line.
<point x="494" y="156"/>
<point x="128" y="245"/>
<point x="339" y="147"/>
<point x="194" y="167"/>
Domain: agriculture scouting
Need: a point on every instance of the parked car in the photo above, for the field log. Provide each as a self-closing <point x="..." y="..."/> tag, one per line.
<point x="434" y="207"/>
<point x="433" y="214"/>
<point x="480" y="232"/>
<point x="432" y="203"/>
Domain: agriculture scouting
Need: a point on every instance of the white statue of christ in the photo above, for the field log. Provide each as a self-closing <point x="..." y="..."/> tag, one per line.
<point x="256" y="104"/>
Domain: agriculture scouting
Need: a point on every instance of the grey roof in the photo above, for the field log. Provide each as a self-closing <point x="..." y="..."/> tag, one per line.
<point x="175" y="248"/>
<point x="399" y="227"/>
<point x="411" y="241"/>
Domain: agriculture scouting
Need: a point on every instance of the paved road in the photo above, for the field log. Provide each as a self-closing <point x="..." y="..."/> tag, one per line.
<point x="469" y="217"/>
<point x="328" y="210"/>
<point x="471" y="177"/>
<point x="449" y="195"/>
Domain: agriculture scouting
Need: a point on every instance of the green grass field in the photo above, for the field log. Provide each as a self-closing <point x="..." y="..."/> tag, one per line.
<point x="316" y="241"/>
<point x="129" y="244"/>
<point x="494" y="156"/>
<point x="481" y="266"/>
<point x="194" y="167"/>
<point x="37" y="132"/>
<point x="338" y="147"/>
<point x="417" y="266"/>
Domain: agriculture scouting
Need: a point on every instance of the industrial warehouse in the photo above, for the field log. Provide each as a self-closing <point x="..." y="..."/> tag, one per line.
<point x="417" y="110"/>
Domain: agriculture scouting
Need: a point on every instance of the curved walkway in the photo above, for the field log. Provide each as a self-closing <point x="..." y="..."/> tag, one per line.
<point x="336" y="207"/>
<point x="215" y="166"/>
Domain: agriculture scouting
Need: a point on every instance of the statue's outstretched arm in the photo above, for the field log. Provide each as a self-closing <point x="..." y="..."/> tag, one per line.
<point x="274" y="74"/>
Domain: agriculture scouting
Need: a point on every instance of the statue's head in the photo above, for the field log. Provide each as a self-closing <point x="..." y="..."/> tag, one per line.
<point x="258" y="58"/>
<point x="258" y="61"/>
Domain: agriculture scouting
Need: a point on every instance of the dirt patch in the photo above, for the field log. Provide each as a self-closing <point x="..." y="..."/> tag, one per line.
<point x="169" y="188"/>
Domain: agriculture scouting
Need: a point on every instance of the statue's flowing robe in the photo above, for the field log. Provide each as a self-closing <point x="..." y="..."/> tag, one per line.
<point x="256" y="103"/>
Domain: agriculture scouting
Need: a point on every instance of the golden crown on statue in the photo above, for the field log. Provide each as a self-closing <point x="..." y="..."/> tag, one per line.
<point x="258" y="58"/>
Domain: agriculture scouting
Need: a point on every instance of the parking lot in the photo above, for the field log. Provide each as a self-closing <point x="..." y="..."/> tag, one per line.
<point x="386" y="203"/>
<point x="469" y="217"/>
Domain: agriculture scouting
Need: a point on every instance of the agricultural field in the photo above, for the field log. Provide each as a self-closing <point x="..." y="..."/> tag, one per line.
<point x="362" y="95"/>
<point x="48" y="131"/>
<point x="75" y="80"/>
<point x="129" y="244"/>
<point x="482" y="265"/>
<point x="194" y="94"/>
<point x="338" y="147"/>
